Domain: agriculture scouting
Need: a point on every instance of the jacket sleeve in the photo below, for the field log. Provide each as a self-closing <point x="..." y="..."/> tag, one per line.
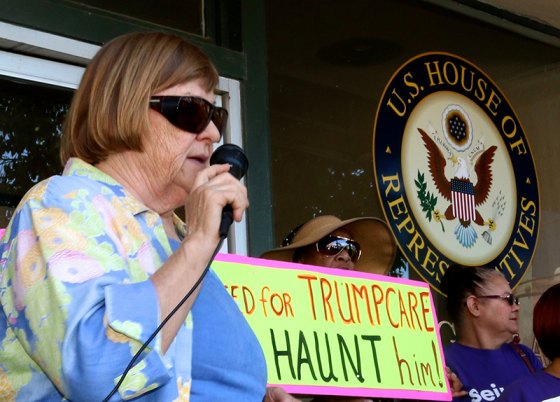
<point x="80" y="301"/>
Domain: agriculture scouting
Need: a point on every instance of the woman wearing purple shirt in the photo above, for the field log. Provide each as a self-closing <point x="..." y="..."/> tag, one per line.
<point x="485" y="312"/>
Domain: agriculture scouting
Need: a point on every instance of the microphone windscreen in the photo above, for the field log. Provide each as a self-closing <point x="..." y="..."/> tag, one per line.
<point x="238" y="162"/>
<point x="232" y="155"/>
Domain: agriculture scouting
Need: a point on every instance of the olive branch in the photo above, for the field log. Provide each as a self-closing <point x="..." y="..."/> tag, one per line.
<point x="428" y="201"/>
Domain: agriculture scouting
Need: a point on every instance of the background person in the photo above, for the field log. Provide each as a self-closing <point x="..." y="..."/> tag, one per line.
<point x="93" y="260"/>
<point x="485" y="312"/>
<point x="543" y="385"/>
<point x="364" y="244"/>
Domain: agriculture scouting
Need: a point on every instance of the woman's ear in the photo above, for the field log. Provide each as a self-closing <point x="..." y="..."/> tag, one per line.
<point x="473" y="305"/>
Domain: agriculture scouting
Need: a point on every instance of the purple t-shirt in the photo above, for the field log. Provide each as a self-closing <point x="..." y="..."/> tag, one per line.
<point x="486" y="372"/>
<point x="540" y="386"/>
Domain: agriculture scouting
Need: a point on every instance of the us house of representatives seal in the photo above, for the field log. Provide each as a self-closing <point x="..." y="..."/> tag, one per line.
<point x="454" y="171"/>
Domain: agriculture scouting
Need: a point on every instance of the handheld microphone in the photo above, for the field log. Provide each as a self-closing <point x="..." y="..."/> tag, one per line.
<point x="238" y="162"/>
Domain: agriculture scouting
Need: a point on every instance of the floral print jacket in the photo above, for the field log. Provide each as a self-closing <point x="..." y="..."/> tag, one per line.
<point x="76" y="302"/>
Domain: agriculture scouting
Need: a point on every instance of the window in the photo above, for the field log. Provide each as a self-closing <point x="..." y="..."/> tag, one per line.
<point x="185" y="15"/>
<point x="31" y="117"/>
<point x="35" y="94"/>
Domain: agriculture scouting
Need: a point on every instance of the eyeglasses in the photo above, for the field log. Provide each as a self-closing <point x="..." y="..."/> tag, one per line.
<point x="332" y="245"/>
<point x="190" y="113"/>
<point x="510" y="298"/>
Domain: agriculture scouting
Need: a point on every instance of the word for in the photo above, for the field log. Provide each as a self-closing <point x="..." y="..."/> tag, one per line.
<point x="278" y="304"/>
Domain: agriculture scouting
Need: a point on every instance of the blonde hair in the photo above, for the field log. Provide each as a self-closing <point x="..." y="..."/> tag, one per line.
<point x="110" y="110"/>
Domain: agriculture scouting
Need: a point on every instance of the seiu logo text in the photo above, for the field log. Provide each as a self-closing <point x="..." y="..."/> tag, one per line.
<point x="486" y="394"/>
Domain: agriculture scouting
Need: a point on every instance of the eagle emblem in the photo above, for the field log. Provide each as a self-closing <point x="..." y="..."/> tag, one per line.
<point x="454" y="171"/>
<point x="463" y="195"/>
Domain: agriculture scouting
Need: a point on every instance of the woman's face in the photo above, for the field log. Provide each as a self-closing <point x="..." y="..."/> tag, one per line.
<point x="175" y="156"/>
<point x="496" y="313"/>
<point x="342" y="260"/>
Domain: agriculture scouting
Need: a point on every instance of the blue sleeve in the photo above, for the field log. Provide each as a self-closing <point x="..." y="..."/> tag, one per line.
<point x="76" y="296"/>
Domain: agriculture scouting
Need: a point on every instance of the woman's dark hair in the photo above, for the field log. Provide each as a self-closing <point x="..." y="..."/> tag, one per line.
<point x="546" y="322"/>
<point x="459" y="282"/>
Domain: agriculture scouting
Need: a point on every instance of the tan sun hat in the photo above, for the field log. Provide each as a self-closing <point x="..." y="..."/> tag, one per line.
<point x="376" y="240"/>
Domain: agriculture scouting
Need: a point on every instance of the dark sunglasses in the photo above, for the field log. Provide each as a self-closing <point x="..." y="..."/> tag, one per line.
<point x="511" y="298"/>
<point x="190" y="113"/>
<point x="332" y="245"/>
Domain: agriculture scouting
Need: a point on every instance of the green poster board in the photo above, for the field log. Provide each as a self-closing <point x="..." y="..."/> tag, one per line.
<point x="336" y="332"/>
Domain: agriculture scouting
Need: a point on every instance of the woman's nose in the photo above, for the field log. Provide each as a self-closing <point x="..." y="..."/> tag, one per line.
<point x="211" y="132"/>
<point x="344" y="256"/>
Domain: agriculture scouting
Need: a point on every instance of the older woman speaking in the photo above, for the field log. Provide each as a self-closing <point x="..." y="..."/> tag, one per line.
<point x="95" y="259"/>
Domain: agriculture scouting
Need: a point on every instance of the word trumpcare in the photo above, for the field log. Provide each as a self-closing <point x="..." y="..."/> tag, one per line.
<point x="339" y="301"/>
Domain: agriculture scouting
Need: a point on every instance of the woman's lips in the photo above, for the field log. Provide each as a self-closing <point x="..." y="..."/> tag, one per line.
<point x="201" y="159"/>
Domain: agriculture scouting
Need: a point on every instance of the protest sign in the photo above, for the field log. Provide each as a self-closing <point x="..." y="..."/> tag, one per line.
<point x="328" y="331"/>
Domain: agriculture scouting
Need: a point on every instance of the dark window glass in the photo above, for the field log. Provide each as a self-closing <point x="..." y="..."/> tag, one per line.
<point x="324" y="93"/>
<point x="185" y="15"/>
<point x="31" y="118"/>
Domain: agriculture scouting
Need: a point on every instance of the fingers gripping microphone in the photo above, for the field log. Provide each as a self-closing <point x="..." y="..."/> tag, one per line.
<point x="236" y="159"/>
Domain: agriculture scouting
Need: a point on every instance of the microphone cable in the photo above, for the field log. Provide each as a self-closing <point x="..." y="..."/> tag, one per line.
<point x="160" y="326"/>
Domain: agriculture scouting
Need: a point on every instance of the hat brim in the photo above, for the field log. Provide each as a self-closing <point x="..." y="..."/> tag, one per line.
<point x="378" y="244"/>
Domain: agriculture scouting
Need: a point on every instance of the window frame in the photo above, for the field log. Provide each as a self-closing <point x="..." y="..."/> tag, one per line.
<point x="51" y="59"/>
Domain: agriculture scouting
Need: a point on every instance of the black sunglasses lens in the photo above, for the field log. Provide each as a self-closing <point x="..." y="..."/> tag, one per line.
<point x="193" y="114"/>
<point x="512" y="299"/>
<point x="190" y="113"/>
<point x="353" y="250"/>
<point x="219" y="117"/>
<point x="331" y="246"/>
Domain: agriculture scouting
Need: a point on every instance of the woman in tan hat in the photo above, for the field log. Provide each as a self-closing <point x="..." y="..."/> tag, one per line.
<point x="364" y="244"/>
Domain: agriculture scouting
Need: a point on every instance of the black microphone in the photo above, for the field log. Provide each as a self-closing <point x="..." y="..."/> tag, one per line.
<point x="238" y="162"/>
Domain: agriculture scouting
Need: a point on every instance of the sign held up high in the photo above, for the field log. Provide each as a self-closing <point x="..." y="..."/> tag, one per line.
<point x="334" y="332"/>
